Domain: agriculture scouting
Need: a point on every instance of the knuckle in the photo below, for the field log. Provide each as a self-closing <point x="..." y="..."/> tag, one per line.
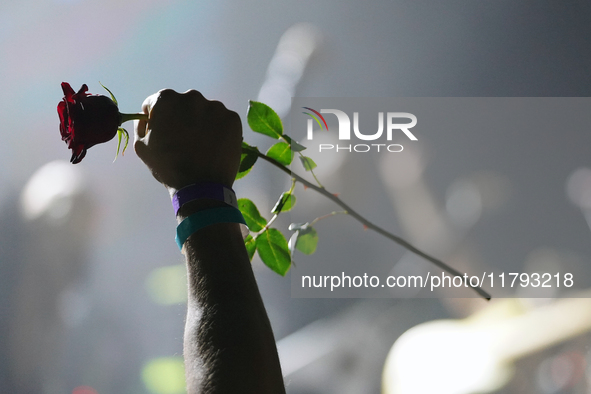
<point x="194" y="94"/>
<point x="164" y="98"/>
<point x="234" y="118"/>
<point x="163" y="93"/>
<point x="217" y="106"/>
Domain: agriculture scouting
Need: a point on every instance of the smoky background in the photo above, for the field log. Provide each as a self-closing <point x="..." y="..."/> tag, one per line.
<point x="91" y="280"/>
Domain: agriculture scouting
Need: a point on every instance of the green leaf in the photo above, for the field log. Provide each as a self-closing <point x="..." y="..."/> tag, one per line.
<point x="249" y="156"/>
<point x="291" y="245"/>
<point x="242" y="174"/>
<point x="126" y="135"/>
<point x="251" y="246"/>
<point x="281" y="152"/>
<point x="285" y="203"/>
<point x="247" y="160"/>
<point x="253" y="218"/>
<point x="112" y="96"/>
<point x="121" y="132"/>
<point x="273" y="250"/>
<point x="298" y="226"/>
<point x="295" y="146"/>
<point x="247" y="148"/>
<point x="262" y="119"/>
<point x="307" y="240"/>
<point x="308" y="163"/>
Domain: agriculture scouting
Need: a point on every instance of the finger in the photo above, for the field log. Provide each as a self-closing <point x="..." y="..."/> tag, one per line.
<point x="194" y="101"/>
<point x="141" y="125"/>
<point x="139" y="128"/>
<point x="142" y="151"/>
<point x="197" y="94"/>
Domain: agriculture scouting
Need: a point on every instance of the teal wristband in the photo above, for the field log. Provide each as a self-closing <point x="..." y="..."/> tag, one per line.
<point x="205" y="218"/>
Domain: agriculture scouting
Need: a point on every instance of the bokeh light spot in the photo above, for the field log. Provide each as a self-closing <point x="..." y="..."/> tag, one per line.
<point x="168" y="285"/>
<point x="165" y="375"/>
<point x="84" y="390"/>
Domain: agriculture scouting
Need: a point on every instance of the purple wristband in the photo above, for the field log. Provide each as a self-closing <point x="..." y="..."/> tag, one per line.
<point x="204" y="190"/>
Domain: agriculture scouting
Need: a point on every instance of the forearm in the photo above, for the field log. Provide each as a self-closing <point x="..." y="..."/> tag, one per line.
<point x="229" y="345"/>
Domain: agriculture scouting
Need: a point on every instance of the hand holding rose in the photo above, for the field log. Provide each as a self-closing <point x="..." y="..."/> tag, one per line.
<point x="189" y="139"/>
<point x="185" y="139"/>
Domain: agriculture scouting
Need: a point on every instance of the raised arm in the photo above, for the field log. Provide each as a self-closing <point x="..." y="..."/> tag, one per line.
<point x="228" y="343"/>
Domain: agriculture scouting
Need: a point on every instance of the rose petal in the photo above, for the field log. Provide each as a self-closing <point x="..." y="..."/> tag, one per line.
<point x="68" y="91"/>
<point x="78" y="154"/>
<point x="82" y="92"/>
<point x="62" y="110"/>
<point x="86" y="120"/>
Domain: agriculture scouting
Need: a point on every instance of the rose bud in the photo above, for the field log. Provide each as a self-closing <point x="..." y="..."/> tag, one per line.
<point x="90" y="119"/>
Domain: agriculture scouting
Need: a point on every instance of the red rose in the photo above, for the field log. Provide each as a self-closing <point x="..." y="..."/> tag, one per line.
<point x="86" y="120"/>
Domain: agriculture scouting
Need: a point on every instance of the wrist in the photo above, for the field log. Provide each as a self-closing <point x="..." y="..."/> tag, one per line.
<point x="204" y="191"/>
<point x="195" y="206"/>
<point x="201" y="196"/>
<point x="203" y="205"/>
<point x="208" y="218"/>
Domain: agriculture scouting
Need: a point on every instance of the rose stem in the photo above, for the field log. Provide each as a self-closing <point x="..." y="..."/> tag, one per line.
<point x="126" y="117"/>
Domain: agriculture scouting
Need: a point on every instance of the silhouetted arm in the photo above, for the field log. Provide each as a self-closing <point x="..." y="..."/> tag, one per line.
<point x="228" y="344"/>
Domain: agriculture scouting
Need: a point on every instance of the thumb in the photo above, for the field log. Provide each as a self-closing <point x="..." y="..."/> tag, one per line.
<point x="141" y="132"/>
<point x="145" y="154"/>
<point x="140" y="126"/>
<point x="142" y="150"/>
<point x="141" y="137"/>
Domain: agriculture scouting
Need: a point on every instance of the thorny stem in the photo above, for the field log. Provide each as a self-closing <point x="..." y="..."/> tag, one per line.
<point x="370" y="225"/>
<point x="313" y="174"/>
<point x="275" y="216"/>
<point x="313" y="222"/>
<point x="293" y="183"/>
<point x="269" y="223"/>
<point x="311" y="171"/>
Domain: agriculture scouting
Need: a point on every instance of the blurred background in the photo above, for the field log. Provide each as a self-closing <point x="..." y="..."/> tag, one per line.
<point x="92" y="285"/>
